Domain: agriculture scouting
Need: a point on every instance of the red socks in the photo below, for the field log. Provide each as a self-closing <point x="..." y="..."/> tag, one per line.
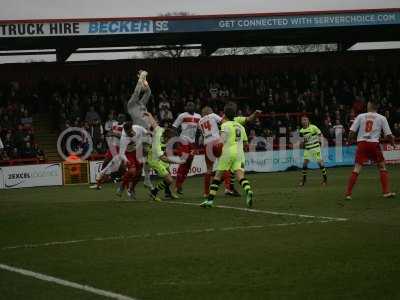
<point x="182" y="172"/>
<point x="207" y="181"/>
<point x="352" y="181"/>
<point x="384" y="181"/>
<point x="384" y="175"/>
<point x="227" y="180"/>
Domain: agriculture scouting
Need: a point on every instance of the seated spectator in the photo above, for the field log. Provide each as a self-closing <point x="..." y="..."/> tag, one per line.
<point x="166" y="115"/>
<point x="163" y="103"/>
<point x="96" y="131"/>
<point x="109" y="123"/>
<point x="39" y="152"/>
<point x="224" y="92"/>
<point x="396" y="115"/>
<point x="75" y="111"/>
<point x="6" y="123"/>
<point x="26" y="120"/>
<point x="252" y="135"/>
<point x="28" y="151"/>
<point x="100" y="146"/>
<point x="8" y="143"/>
<point x="338" y="129"/>
<point x="3" y="154"/>
<point x="396" y="130"/>
<point x="214" y="91"/>
<point x="84" y="144"/>
<point x="14" y="153"/>
<point x="19" y="136"/>
<point x="28" y="135"/>
<point x="92" y="115"/>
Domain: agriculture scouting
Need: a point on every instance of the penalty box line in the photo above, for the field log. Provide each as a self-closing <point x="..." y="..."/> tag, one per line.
<point x="66" y="283"/>
<point x="158" y="234"/>
<point x="268" y="212"/>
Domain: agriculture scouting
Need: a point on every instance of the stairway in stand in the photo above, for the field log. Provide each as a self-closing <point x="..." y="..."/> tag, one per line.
<point x="46" y="136"/>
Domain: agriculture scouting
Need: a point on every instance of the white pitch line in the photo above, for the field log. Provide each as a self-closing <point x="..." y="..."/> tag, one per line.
<point x="66" y="283"/>
<point x="170" y="233"/>
<point x="269" y="212"/>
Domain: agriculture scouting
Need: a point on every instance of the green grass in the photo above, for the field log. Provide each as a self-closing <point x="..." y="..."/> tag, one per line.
<point x="163" y="251"/>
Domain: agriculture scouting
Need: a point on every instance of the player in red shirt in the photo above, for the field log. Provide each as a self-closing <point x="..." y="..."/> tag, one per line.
<point x="187" y="122"/>
<point x="368" y="127"/>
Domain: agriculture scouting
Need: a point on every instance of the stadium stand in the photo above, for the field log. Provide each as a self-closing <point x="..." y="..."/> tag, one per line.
<point x="331" y="88"/>
<point x="16" y="126"/>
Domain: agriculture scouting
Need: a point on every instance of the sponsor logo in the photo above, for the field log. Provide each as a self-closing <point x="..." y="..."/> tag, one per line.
<point x="18" y="178"/>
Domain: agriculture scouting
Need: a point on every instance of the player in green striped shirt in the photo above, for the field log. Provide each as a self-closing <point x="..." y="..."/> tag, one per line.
<point x="158" y="160"/>
<point x="242" y="121"/>
<point x="312" y="149"/>
<point x="232" y="158"/>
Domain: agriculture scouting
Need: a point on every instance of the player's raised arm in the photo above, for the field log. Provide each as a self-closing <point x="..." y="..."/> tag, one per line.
<point x="253" y="116"/>
<point x="146" y="87"/>
<point x="136" y="93"/>
<point x="141" y="84"/>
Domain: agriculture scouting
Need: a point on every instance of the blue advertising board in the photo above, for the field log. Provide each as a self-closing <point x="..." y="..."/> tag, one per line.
<point x="272" y="161"/>
<point x="279" y="22"/>
<point x="224" y="23"/>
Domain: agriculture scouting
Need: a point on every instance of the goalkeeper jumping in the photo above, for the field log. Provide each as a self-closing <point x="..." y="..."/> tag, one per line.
<point x="136" y="108"/>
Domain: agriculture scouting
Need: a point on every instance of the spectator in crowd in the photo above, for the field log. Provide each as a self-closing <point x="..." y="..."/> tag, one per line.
<point x="100" y="145"/>
<point x="6" y="123"/>
<point x="332" y="97"/>
<point x="166" y="115"/>
<point x="214" y="91"/>
<point x="396" y="130"/>
<point x="84" y="144"/>
<point x="110" y="121"/>
<point x="19" y="137"/>
<point x="27" y="151"/>
<point x="96" y="131"/>
<point x="3" y="154"/>
<point x="338" y="129"/>
<point x="26" y="120"/>
<point x="92" y="115"/>
<point x="39" y="152"/>
<point x="163" y="104"/>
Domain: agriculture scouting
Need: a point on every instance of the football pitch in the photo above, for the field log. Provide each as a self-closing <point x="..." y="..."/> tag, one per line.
<point x="296" y="243"/>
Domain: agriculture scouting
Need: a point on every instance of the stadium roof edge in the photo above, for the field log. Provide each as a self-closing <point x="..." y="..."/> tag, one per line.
<point x="194" y="17"/>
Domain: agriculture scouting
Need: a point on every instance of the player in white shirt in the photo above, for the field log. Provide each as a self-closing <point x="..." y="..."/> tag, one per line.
<point x="187" y="122"/>
<point x="111" y="163"/>
<point x="132" y="153"/>
<point x="209" y="127"/>
<point x="368" y="127"/>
